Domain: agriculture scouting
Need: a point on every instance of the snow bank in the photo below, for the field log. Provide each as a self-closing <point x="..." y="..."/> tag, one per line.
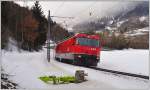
<point x="132" y="61"/>
<point x="27" y="67"/>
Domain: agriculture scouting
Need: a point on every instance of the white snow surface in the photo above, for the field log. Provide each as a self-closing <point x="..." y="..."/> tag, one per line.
<point x="28" y="66"/>
<point x="110" y="22"/>
<point x="142" y="18"/>
<point x="131" y="61"/>
<point x="109" y="28"/>
<point x="121" y="22"/>
<point x="141" y="31"/>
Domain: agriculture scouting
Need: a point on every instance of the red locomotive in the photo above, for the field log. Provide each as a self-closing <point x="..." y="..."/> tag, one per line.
<point x="81" y="49"/>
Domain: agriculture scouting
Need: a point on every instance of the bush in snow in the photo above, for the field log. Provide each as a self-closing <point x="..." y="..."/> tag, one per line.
<point x="119" y="42"/>
<point x="139" y="42"/>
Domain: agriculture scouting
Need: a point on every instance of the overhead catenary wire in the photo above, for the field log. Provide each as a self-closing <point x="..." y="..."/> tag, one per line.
<point x="76" y="15"/>
<point x="83" y="10"/>
<point x="90" y="12"/>
<point x="62" y="17"/>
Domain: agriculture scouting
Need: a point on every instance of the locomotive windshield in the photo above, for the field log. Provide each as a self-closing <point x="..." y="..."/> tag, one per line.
<point x="88" y="42"/>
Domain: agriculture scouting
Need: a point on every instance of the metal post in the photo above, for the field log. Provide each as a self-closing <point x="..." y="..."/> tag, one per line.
<point x="48" y="37"/>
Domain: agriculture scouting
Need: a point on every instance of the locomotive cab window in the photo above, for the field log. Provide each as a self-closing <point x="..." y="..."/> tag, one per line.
<point x="88" y="42"/>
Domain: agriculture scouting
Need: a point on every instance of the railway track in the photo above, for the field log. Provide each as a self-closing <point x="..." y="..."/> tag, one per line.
<point x="118" y="72"/>
<point x="122" y="73"/>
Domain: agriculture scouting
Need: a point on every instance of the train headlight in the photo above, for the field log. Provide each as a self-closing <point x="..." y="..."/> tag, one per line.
<point x="93" y="49"/>
<point x="79" y="56"/>
<point x="97" y="58"/>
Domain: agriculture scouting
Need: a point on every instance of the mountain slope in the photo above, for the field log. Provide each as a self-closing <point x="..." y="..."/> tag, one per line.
<point x="122" y="20"/>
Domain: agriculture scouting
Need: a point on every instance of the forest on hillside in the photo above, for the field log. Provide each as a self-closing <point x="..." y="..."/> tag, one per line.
<point x="28" y="27"/>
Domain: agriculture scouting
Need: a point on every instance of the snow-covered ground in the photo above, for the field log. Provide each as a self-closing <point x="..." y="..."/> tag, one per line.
<point x="121" y="22"/>
<point x="128" y="60"/>
<point x="142" y="31"/>
<point x="28" y="66"/>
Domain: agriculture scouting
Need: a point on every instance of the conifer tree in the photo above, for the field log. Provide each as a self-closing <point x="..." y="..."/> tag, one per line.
<point x="42" y="28"/>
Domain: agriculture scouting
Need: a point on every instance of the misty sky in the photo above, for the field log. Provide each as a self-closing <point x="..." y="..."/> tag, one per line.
<point x="81" y="10"/>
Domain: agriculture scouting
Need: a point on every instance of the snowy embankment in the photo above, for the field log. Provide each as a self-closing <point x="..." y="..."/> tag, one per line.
<point x="142" y="31"/>
<point x="131" y="61"/>
<point x="28" y="66"/>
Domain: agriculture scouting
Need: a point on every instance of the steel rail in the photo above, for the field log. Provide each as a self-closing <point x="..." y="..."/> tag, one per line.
<point x="119" y="72"/>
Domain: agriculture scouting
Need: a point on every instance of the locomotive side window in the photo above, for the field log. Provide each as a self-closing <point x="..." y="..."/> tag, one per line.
<point x="88" y="42"/>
